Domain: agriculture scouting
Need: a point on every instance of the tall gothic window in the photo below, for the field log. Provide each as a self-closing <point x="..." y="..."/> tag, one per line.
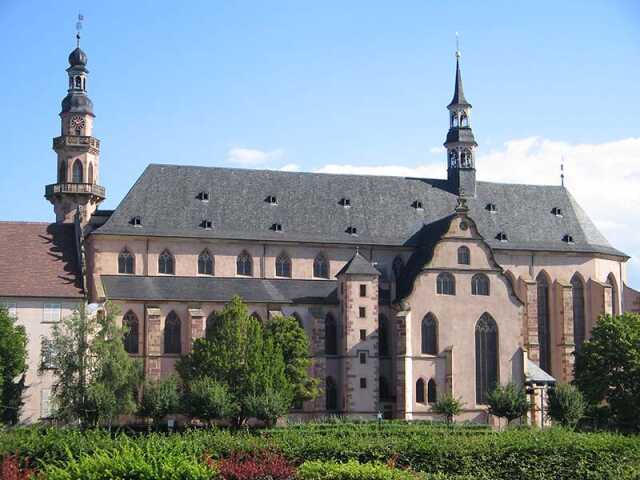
<point x="77" y="172"/>
<point x="126" y="262"/>
<point x="330" y="335"/>
<point x="577" y="294"/>
<point x="90" y="175"/>
<point x="446" y="284"/>
<point x="130" y="323"/>
<point x="383" y="336"/>
<point x="432" y="392"/>
<point x="429" y="335"/>
<point x="480" y="284"/>
<point x="331" y="392"/>
<point x="210" y="325"/>
<point x="166" y="263"/>
<point x="486" y="357"/>
<point x="420" y="391"/>
<point x="172" y="333"/>
<point x="205" y="263"/>
<point x="464" y="256"/>
<point x="611" y="280"/>
<point x="397" y="266"/>
<point x="283" y="265"/>
<point x="544" y="330"/>
<point x="320" y="266"/>
<point x="244" y="264"/>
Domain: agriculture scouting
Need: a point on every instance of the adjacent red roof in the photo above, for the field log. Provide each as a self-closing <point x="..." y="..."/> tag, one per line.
<point x="38" y="260"/>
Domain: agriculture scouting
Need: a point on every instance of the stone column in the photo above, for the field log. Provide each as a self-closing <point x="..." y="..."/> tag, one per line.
<point x="531" y="319"/>
<point x="404" y="378"/>
<point x="448" y="370"/>
<point x="566" y="344"/>
<point x="153" y="367"/>
<point x="318" y="362"/>
<point x="196" y="325"/>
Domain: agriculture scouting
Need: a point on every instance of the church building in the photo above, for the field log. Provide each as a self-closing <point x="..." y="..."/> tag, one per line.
<point x="408" y="288"/>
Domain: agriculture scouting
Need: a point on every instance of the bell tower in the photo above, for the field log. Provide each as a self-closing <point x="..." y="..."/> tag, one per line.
<point x="460" y="143"/>
<point x="78" y="152"/>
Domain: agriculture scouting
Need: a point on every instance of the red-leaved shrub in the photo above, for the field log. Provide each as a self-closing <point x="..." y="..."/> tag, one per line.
<point x="257" y="466"/>
<point x="11" y="469"/>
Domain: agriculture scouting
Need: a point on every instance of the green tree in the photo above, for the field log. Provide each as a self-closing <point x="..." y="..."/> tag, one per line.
<point x="236" y="354"/>
<point x="209" y="400"/>
<point x="449" y="406"/>
<point x="508" y="401"/>
<point x="13" y="366"/>
<point x="160" y="398"/>
<point x="95" y="377"/>
<point x="566" y="405"/>
<point x="294" y="343"/>
<point x="607" y="367"/>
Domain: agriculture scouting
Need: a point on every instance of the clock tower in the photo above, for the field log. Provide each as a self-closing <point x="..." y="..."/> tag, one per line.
<point x="76" y="189"/>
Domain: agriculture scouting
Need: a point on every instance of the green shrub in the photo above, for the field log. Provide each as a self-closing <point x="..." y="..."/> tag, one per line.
<point x="566" y="405"/>
<point x="449" y="406"/>
<point x="352" y="470"/>
<point x="508" y="401"/>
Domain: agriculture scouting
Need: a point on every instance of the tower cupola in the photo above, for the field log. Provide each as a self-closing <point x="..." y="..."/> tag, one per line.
<point x="460" y="142"/>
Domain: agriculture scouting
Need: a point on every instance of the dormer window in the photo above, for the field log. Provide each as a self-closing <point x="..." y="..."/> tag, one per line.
<point x="491" y="207"/>
<point x="568" y="238"/>
<point x="417" y="204"/>
<point x="203" y="196"/>
<point x="136" y="221"/>
<point x="502" y="237"/>
<point x="557" y="211"/>
<point x="345" y="202"/>
<point x="352" y="230"/>
<point x="271" y="200"/>
<point x="276" y="227"/>
<point x="206" y="224"/>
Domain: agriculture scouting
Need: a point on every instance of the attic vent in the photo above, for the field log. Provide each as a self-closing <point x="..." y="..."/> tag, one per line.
<point x="352" y="230"/>
<point x="502" y="236"/>
<point x="271" y="200"/>
<point x="276" y="227"/>
<point x="203" y="196"/>
<point x="206" y="224"/>
<point x="417" y="204"/>
<point x="568" y="238"/>
<point x="491" y="207"/>
<point x="136" y="221"/>
<point x="557" y="211"/>
<point x="345" y="202"/>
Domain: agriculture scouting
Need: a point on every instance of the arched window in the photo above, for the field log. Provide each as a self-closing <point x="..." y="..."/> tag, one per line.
<point x="165" y="263"/>
<point x="397" y="266"/>
<point x="205" y="263"/>
<point x="453" y="159"/>
<point x="466" y="158"/>
<point x="383" y="336"/>
<point x="78" y="82"/>
<point x="480" y="284"/>
<point x="464" y="256"/>
<point x="62" y="174"/>
<point x="420" y="394"/>
<point x="126" y="262"/>
<point x="244" y="264"/>
<point x="429" y="333"/>
<point x="446" y="284"/>
<point x="172" y="334"/>
<point x="432" y="392"/>
<point x="90" y="175"/>
<point x="577" y="294"/>
<point x="210" y="325"/>
<point x="454" y="119"/>
<point x="77" y="172"/>
<point x="330" y="335"/>
<point x="283" y="265"/>
<point x="320" y="266"/>
<point x="130" y="324"/>
<point x="544" y="330"/>
<point x="611" y="280"/>
<point x="383" y="389"/>
<point x="331" y="392"/>
<point x="464" y="120"/>
<point x="486" y="357"/>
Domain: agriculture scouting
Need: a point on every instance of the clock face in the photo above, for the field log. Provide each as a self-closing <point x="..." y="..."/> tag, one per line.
<point x="77" y="122"/>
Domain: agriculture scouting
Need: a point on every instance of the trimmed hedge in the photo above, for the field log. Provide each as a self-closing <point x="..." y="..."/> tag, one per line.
<point x="523" y="454"/>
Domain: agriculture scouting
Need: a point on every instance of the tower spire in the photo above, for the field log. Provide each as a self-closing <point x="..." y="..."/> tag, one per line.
<point x="78" y="28"/>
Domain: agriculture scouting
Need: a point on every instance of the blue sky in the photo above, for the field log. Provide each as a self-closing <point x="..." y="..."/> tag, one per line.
<point x="358" y="86"/>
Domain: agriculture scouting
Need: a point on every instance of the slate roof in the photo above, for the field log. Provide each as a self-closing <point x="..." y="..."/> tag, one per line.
<point x="217" y="289"/>
<point x="309" y="208"/>
<point x="536" y="375"/>
<point x="458" y="92"/>
<point x="38" y="260"/>
<point x="358" y="265"/>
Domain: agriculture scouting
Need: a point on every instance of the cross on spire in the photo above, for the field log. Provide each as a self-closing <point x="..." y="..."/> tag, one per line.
<point x="78" y="28"/>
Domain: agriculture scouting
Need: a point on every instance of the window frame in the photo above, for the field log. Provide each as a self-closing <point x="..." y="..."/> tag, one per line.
<point x="166" y="259"/>
<point x="464" y="255"/>
<point x="446" y="284"/>
<point x="283" y="266"/>
<point x="243" y="260"/>
<point x="478" y="282"/>
<point x="125" y="260"/>
<point x="48" y="316"/>
<point x="206" y="263"/>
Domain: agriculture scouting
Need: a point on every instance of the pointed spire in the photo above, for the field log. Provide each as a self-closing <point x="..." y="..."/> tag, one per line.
<point x="458" y="93"/>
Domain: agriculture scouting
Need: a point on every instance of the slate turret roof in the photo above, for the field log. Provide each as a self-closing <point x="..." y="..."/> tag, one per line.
<point x="358" y="265"/>
<point x="311" y="207"/>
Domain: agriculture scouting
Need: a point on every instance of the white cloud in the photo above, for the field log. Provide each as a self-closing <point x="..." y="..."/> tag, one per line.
<point x="604" y="178"/>
<point x="290" y="167"/>
<point x="252" y="157"/>
<point x="437" y="150"/>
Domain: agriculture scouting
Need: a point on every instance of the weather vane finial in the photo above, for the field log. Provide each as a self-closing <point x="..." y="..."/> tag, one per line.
<point x="457" y="45"/>
<point x="78" y="28"/>
<point x="562" y="171"/>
